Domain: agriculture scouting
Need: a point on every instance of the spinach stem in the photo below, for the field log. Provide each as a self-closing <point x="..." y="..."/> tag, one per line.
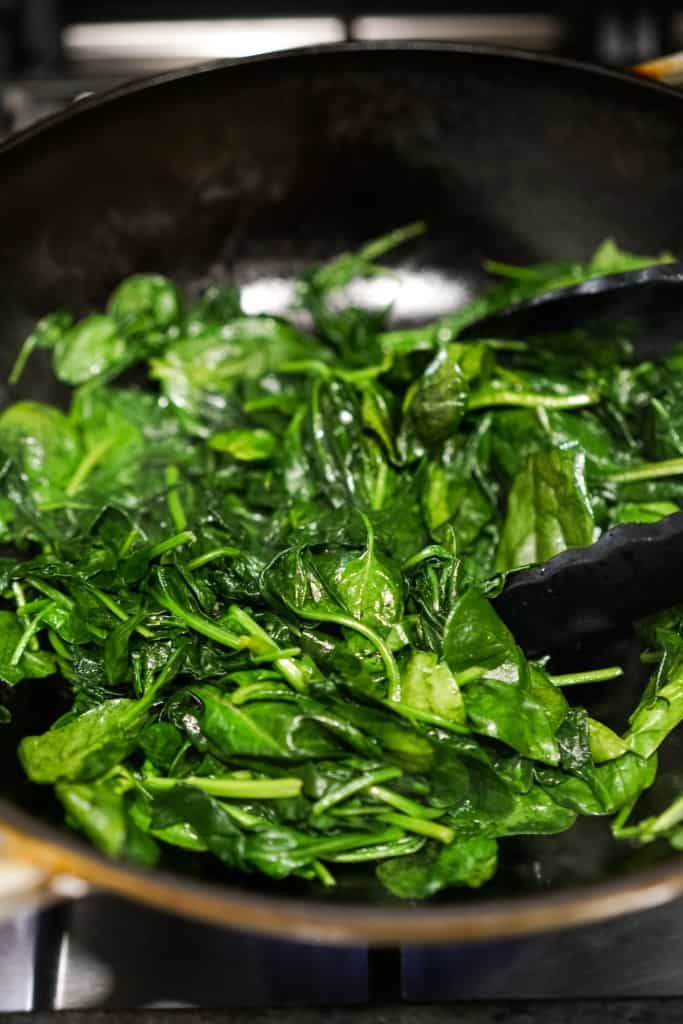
<point x="25" y="637"/>
<point x="128" y="542"/>
<point x="393" y="674"/>
<point x="334" y="844"/>
<point x="241" y="816"/>
<point x="337" y="794"/>
<point x="176" y="541"/>
<point x="116" y="610"/>
<point x="175" y="505"/>
<point x="64" y="601"/>
<point x="211" y="556"/>
<point x="673" y="815"/>
<point x="647" y="471"/>
<point x="58" y="645"/>
<point x="282" y="653"/>
<point x="619" y="821"/>
<point x="33" y="606"/>
<point x="404" y="803"/>
<point x="86" y="466"/>
<point x="368" y="372"/>
<point x="469" y="675"/>
<point x="431" y="829"/>
<point x="325" y="876"/>
<point x="23" y="608"/>
<point x="431" y="551"/>
<point x="400" y="847"/>
<point x="50" y="591"/>
<point x="284" y="664"/>
<point x="55" y="506"/>
<point x="516" y="273"/>
<point x="598" y="675"/>
<point x="200" y="624"/>
<point x="504" y="344"/>
<point x="229" y="788"/>
<point x="358" y="811"/>
<point x="531" y="400"/>
<point x="418" y="715"/>
<point x="413" y="339"/>
<point x="20" y="363"/>
<point x="167" y="673"/>
<point x="260" y="691"/>
<point x="178" y="757"/>
<point x="373" y="250"/>
<point x="648" y="829"/>
<point x="380" y="488"/>
<point x="267" y="402"/>
<point x="304" y="366"/>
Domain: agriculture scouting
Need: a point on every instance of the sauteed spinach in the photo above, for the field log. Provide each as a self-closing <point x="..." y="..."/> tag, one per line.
<point x="263" y="579"/>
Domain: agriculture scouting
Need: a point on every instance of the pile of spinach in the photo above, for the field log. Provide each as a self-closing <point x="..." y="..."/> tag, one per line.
<point x="263" y="578"/>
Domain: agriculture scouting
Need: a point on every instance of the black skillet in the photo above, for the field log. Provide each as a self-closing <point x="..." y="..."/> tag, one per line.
<point x="259" y="167"/>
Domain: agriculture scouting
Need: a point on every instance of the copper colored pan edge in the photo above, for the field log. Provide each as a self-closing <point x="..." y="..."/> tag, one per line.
<point x="334" y="923"/>
<point x="668" y="70"/>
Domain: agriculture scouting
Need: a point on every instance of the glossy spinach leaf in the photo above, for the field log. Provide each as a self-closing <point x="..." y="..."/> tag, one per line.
<point x="101" y="811"/>
<point x="44" y="446"/>
<point x="506" y="697"/>
<point x="91" y="348"/>
<point x="548" y="510"/>
<point x="469" y="862"/>
<point x="201" y="375"/>
<point x="86" y="746"/>
<point x="19" y="660"/>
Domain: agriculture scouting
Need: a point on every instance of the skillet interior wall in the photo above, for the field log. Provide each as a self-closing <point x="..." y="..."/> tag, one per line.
<point x="282" y="161"/>
<point x="261" y="167"/>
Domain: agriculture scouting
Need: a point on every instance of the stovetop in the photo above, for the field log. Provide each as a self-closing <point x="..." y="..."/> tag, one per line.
<point x="104" y="952"/>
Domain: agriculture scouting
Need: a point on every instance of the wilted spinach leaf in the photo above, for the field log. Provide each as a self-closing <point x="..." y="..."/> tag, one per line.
<point x="263" y="577"/>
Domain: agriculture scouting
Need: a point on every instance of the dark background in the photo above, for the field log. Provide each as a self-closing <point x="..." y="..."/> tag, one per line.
<point x="53" y="51"/>
<point x="33" y="39"/>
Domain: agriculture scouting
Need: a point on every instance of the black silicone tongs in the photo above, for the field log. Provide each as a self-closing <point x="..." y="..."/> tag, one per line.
<point x="635" y="569"/>
<point x="646" y="303"/>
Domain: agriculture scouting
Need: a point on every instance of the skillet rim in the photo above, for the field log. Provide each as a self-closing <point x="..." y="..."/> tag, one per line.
<point x="58" y="853"/>
<point x="148" y="82"/>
